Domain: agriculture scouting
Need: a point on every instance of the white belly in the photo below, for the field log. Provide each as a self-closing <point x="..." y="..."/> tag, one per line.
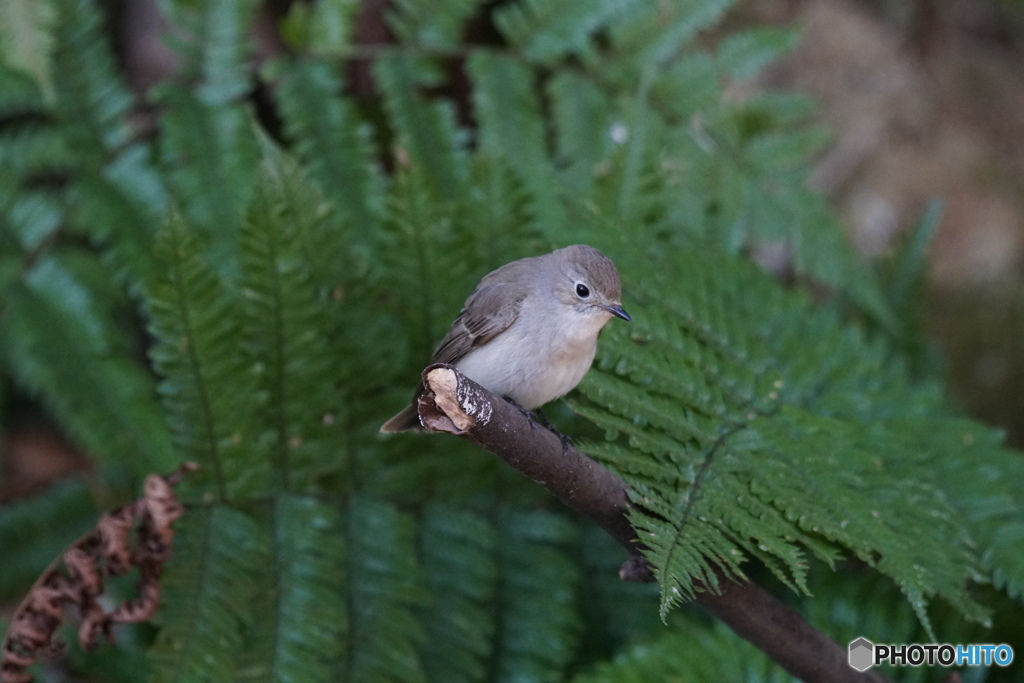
<point x="531" y="369"/>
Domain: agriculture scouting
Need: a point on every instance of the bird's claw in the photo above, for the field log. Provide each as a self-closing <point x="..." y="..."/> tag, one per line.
<point x="538" y="419"/>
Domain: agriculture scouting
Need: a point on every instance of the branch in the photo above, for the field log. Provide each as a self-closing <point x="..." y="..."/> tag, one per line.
<point x="456" y="404"/>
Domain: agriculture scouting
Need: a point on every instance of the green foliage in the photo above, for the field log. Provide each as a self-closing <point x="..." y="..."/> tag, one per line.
<point x="295" y="265"/>
<point x="738" y="446"/>
<point x="209" y="595"/>
<point x="299" y="632"/>
<point x="66" y="511"/>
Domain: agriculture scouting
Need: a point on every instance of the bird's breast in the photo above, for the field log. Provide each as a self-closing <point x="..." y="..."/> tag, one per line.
<point x="531" y="364"/>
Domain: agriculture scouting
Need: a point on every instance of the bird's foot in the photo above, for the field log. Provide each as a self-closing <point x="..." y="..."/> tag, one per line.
<point x="526" y="413"/>
<point x="538" y="419"/>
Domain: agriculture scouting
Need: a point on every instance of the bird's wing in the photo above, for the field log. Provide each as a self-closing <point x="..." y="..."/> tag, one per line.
<point x="488" y="312"/>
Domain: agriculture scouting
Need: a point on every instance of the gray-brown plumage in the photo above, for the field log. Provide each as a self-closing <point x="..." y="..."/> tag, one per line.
<point x="529" y="330"/>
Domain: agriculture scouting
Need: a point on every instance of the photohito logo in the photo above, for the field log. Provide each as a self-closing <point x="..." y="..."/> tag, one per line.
<point x="863" y="654"/>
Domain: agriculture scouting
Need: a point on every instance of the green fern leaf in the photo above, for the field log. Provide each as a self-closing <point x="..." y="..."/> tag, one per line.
<point x="652" y="37"/>
<point x="426" y="131"/>
<point x="545" y="31"/>
<point x="218" y="47"/>
<point x="284" y="324"/>
<point x="212" y="157"/>
<point x="59" y="335"/>
<point x="512" y="129"/>
<point x="299" y="632"/>
<point x="745" y="53"/>
<point x="335" y="146"/>
<point x="691" y="651"/>
<point x="429" y="24"/>
<point x="458" y="554"/>
<point x="209" y="389"/>
<point x="90" y="95"/>
<point x="26" y="40"/>
<point x="66" y="510"/>
<point x="761" y="439"/>
<point x="384" y="592"/>
<point x="537" y="594"/>
<point x="209" y="590"/>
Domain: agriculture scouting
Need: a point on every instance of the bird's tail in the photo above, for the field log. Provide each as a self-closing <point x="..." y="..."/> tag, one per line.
<point x="408" y="418"/>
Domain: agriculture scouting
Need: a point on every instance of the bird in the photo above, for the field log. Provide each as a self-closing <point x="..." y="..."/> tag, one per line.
<point x="529" y="330"/>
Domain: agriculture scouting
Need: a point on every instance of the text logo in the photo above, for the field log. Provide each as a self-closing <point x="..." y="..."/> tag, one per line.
<point x="863" y="654"/>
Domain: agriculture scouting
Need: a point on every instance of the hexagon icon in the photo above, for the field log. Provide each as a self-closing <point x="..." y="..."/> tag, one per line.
<point x="862" y="654"/>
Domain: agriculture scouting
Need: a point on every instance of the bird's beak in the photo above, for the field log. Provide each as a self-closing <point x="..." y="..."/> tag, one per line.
<point x="618" y="312"/>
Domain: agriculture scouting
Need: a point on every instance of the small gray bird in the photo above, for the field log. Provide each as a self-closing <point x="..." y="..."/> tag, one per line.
<point x="528" y="331"/>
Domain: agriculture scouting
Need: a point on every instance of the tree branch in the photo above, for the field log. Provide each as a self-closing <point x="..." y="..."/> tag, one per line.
<point x="456" y="404"/>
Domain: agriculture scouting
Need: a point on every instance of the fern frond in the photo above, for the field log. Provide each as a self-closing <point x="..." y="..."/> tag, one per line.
<point x="425" y="256"/>
<point x="544" y="31"/>
<point x="218" y="46"/>
<point x="90" y="95"/>
<point x="458" y="556"/>
<point x="212" y="158"/>
<point x="749" y="436"/>
<point x="651" y="38"/>
<point x="59" y="333"/>
<point x="66" y="510"/>
<point x="538" y="586"/>
<point x="745" y="53"/>
<point x="209" y="590"/>
<point x="324" y="28"/>
<point x="335" y="145"/>
<point x="209" y="389"/>
<point x="299" y="631"/>
<point x="284" y="324"/>
<point x="384" y="591"/>
<point x="512" y="129"/>
<point x="692" y="651"/>
<point x="429" y="24"/>
<point x="426" y="131"/>
<point x="26" y="40"/>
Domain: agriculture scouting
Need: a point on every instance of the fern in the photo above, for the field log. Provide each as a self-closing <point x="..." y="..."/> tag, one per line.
<point x="423" y="23"/>
<point x="299" y="632"/>
<point x="459" y="561"/>
<point x="336" y="148"/>
<point x="511" y="129"/>
<point x="209" y="591"/>
<point x="426" y="131"/>
<point x="693" y="652"/>
<point x="546" y="31"/>
<point x="384" y="589"/>
<point x="741" y="447"/>
<point x="27" y="39"/>
<point x="297" y="370"/>
<point x="209" y="390"/>
<point x="537" y="593"/>
<point x="59" y="335"/>
<point x="65" y="510"/>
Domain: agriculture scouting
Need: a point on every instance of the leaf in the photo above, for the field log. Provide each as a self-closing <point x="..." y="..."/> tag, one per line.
<point x="209" y="390"/>
<point x="209" y="591"/>
<point x="26" y="39"/>
<point x="305" y="579"/>
<point x="537" y="593"/>
<point x="385" y="591"/>
<point x="335" y="145"/>
<point x="458" y="550"/>
<point x="756" y="449"/>
<point x="59" y="333"/>
<point x="511" y="129"/>
<point x="284" y="326"/>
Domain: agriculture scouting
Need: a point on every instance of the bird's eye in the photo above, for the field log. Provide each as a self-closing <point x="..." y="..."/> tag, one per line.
<point x="582" y="291"/>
